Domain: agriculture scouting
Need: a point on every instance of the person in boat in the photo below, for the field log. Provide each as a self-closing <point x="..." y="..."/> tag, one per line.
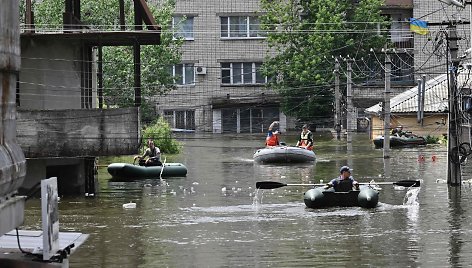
<point x="305" y="140"/>
<point x="398" y="131"/>
<point x="151" y="157"/>
<point x="345" y="182"/>
<point x="272" y="138"/>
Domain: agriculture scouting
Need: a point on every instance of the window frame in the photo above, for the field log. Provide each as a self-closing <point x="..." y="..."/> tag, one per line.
<point x="183" y="74"/>
<point x="177" y="32"/>
<point x="188" y="116"/>
<point x="226" y="31"/>
<point x="232" y="74"/>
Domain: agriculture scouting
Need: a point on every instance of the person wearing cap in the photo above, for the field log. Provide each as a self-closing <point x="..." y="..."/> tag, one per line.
<point x="345" y="182"/>
<point x="272" y="138"/>
<point x="305" y="140"/>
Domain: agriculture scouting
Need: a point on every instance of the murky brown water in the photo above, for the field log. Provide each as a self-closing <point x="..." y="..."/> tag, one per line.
<point x="214" y="218"/>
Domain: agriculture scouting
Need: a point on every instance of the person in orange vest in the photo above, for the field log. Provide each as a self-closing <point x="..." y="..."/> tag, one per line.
<point x="305" y="140"/>
<point x="272" y="138"/>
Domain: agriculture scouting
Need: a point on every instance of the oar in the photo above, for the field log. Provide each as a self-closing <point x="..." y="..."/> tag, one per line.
<point x="162" y="169"/>
<point x="274" y="184"/>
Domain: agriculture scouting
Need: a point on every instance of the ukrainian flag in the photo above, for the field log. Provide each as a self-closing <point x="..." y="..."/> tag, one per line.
<point x="418" y="26"/>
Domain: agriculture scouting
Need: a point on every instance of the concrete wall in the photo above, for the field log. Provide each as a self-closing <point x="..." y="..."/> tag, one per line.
<point x="50" y="75"/>
<point x="70" y="173"/>
<point x="76" y="133"/>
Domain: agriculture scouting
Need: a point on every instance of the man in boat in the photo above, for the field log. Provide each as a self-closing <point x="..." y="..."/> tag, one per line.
<point x="272" y="138"/>
<point x="345" y="182"/>
<point x="153" y="155"/>
<point x="305" y="140"/>
<point x="398" y="131"/>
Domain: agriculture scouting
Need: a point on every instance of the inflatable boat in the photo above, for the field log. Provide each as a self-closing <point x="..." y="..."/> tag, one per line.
<point x="129" y="171"/>
<point x="403" y="141"/>
<point x="284" y="154"/>
<point x="366" y="197"/>
<point x="319" y="197"/>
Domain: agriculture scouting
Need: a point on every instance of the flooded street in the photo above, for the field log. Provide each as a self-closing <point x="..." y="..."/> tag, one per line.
<point x="215" y="218"/>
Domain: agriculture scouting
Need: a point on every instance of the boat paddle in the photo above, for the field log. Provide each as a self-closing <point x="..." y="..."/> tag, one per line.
<point x="162" y="169"/>
<point x="274" y="184"/>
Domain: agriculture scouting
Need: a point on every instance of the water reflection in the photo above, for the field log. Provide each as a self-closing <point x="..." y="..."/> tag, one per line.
<point x="387" y="168"/>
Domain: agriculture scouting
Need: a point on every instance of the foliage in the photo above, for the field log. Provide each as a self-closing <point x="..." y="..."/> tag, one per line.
<point x="118" y="68"/>
<point x="161" y="133"/>
<point x="432" y="139"/>
<point x="305" y="36"/>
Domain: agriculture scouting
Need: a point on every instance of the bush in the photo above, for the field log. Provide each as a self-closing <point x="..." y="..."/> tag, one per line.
<point x="431" y="139"/>
<point x="161" y="133"/>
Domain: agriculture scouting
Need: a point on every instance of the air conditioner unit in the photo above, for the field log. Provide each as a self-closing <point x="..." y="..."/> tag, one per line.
<point x="201" y="70"/>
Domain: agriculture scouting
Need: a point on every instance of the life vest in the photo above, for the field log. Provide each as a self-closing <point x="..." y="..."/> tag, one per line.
<point x="343" y="185"/>
<point x="305" y="140"/>
<point x="272" y="140"/>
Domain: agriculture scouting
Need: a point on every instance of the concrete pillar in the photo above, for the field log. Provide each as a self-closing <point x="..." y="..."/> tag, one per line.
<point x="12" y="159"/>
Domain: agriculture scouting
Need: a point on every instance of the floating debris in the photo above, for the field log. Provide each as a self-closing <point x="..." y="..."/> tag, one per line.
<point x="129" y="205"/>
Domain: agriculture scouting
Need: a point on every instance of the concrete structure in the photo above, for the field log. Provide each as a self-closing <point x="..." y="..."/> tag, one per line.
<point x="12" y="159"/>
<point x="58" y="93"/>
<point x="63" y="143"/>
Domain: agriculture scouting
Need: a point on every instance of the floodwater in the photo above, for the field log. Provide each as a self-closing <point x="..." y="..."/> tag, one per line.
<point x="215" y="218"/>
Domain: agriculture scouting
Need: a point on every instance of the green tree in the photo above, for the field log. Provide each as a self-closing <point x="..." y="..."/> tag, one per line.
<point x="161" y="133"/>
<point x="305" y="36"/>
<point x="118" y="71"/>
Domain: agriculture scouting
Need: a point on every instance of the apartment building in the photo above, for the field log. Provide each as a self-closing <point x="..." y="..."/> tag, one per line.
<point x="221" y="88"/>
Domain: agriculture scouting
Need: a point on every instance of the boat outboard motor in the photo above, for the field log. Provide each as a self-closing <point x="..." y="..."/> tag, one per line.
<point x="343" y="185"/>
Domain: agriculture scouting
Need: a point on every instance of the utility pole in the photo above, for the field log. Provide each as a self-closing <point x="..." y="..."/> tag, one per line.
<point x="349" y="102"/>
<point x="337" y="97"/>
<point x="386" y="141"/>
<point x="454" y="166"/>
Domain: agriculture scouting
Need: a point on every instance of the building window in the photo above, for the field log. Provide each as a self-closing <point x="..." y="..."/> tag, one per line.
<point x="182" y="27"/>
<point x="247" y="73"/>
<point x="184" y="74"/>
<point x="400" y="29"/>
<point x="180" y="119"/>
<point x="240" y="27"/>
